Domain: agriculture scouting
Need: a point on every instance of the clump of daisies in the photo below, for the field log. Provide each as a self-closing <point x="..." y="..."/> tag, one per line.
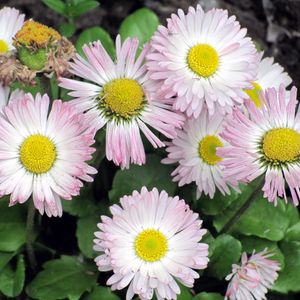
<point x="253" y="278"/>
<point x="151" y="241"/>
<point x="125" y="99"/>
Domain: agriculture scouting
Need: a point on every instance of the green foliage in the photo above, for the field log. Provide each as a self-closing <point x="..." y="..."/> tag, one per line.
<point x="226" y="250"/>
<point x="67" y="277"/>
<point x="152" y="174"/>
<point x="12" y="226"/>
<point x="95" y="34"/>
<point x="141" y="24"/>
<point x="71" y="9"/>
<point x="257" y="221"/>
<point x="208" y="296"/>
<point x="101" y="293"/>
<point x="67" y="29"/>
<point x="185" y="293"/>
<point x="12" y="280"/>
<point x="288" y="280"/>
<point x="220" y="202"/>
<point x="86" y="227"/>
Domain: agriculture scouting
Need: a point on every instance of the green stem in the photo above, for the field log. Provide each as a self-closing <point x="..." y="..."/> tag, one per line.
<point x="235" y="218"/>
<point x="30" y="236"/>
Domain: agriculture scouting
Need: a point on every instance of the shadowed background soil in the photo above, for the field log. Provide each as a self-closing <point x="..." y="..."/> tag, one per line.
<point x="274" y="24"/>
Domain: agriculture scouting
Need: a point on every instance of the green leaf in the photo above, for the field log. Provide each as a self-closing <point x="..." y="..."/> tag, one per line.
<point x="5" y="257"/>
<point x="38" y="88"/>
<point x="101" y="293"/>
<point x="67" y="277"/>
<point x="56" y="5"/>
<point x="86" y="227"/>
<point x="141" y="24"/>
<point x="288" y="280"/>
<point x="220" y="202"/>
<point x="185" y="293"/>
<point x="250" y="243"/>
<point x="67" y="29"/>
<point x="152" y="174"/>
<point x="12" y="226"/>
<point x="293" y="233"/>
<point x="256" y="219"/>
<point x="12" y="281"/>
<point x="226" y="251"/>
<point x="81" y="205"/>
<point x="95" y="34"/>
<point x="208" y="296"/>
<point x="83" y="7"/>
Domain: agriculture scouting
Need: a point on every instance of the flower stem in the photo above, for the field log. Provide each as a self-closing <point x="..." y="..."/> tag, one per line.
<point x="235" y="218"/>
<point x="30" y="236"/>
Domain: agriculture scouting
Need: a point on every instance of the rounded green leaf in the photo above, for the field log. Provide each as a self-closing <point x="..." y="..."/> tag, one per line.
<point x="12" y="226"/>
<point x="289" y="277"/>
<point x="141" y="24"/>
<point x="293" y="233"/>
<point x="220" y="202"/>
<point x="67" y="277"/>
<point x="86" y="227"/>
<point x="12" y="281"/>
<point x="261" y="219"/>
<point x="95" y="34"/>
<point x="208" y="296"/>
<point x="152" y="174"/>
<point x="101" y="293"/>
<point x="226" y="250"/>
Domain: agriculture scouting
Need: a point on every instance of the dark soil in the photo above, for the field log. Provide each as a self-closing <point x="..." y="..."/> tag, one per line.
<point x="274" y="24"/>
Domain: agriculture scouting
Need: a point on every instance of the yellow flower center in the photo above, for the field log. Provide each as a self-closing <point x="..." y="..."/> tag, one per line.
<point x="151" y="245"/>
<point x="37" y="154"/>
<point x="207" y="149"/>
<point x="123" y="96"/>
<point x="281" y="145"/>
<point x="34" y="33"/>
<point x="3" y="47"/>
<point x="254" y="94"/>
<point x="203" y="60"/>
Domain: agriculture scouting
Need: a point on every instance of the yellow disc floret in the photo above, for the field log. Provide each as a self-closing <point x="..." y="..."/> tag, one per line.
<point x="151" y="245"/>
<point x="203" y="60"/>
<point x="35" y="34"/>
<point x="3" y="47"/>
<point x="254" y="94"/>
<point x="37" y="154"/>
<point x="123" y="96"/>
<point x="207" y="149"/>
<point x="281" y="145"/>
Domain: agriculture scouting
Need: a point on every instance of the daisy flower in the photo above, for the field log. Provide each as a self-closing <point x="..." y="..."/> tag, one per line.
<point x="125" y="99"/>
<point x="253" y="278"/>
<point x="151" y="241"/>
<point x="269" y="75"/>
<point x="43" y="154"/>
<point x="204" y="59"/>
<point x="194" y="149"/>
<point x="265" y="141"/>
<point x="11" y="22"/>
